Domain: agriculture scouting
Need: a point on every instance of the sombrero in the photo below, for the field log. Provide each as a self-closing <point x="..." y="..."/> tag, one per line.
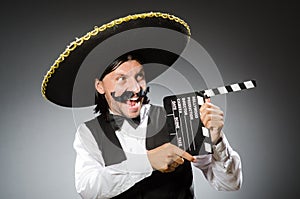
<point x="157" y="37"/>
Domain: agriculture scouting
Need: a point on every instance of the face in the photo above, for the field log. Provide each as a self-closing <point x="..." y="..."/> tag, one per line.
<point x="129" y="76"/>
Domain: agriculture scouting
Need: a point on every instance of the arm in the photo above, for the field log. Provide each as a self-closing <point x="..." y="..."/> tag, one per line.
<point x="93" y="179"/>
<point x="223" y="168"/>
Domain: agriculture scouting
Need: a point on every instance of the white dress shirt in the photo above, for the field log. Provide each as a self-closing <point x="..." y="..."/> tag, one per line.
<point x="93" y="179"/>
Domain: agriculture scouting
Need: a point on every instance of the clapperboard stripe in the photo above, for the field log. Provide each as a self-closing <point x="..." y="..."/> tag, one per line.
<point x="222" y="90"/>
<point x="229" y="89"/>
<point x="216" y="91"/>
<point x="200" y="100"/>
<point x="183" y="117"/>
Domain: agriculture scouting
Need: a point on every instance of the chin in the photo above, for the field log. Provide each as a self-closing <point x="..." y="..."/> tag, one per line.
<point x="133" y="115"/>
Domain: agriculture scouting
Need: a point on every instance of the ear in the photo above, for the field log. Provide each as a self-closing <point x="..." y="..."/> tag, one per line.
<point x="99" y="86"/>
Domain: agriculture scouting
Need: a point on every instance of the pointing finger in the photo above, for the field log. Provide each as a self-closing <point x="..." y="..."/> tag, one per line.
<point x="184" y="154"/>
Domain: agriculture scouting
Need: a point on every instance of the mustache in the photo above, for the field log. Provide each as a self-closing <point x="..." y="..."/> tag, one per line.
<point x="126" y="95"/>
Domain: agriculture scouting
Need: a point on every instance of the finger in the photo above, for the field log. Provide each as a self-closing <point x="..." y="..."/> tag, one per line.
<point x="204" y="112"/>
<point x="174" y="165"/>
<point x="205" y="119"/>
<point x="170" y="169"/>
<point x="207" y="100"/>
<point x="211" y="118"/>
<point x="188" y="157"/>
<point x="209" y="108"/>
<point x="211" y="114"/>
<point x="203" y="107"/>
<point x="215" y="125"/>
<point x="208" y="105"/>
<point x="167" y="169"/>
<point x="179" y="160"/>
<point x="184" y="154"/>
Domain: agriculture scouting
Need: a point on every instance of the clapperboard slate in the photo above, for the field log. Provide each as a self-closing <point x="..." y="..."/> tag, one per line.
<point x="183" y="117"/>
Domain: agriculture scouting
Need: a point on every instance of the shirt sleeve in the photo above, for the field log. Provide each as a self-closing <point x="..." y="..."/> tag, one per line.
<point x="222" y="169"/>
<point x="95" y="180"/>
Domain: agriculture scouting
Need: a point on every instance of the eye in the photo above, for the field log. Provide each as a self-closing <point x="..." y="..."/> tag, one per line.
<point x="140" y="76"/>
<point x="121" y="78"/>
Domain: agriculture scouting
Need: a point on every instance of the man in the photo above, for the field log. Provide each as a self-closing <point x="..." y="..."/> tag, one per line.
<point x="125" y="152"/>
<point x="96" y="180"/>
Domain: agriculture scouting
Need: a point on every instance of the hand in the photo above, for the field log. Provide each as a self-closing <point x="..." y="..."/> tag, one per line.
<point x="167" y="157"/>
<point x="212" y="118"/>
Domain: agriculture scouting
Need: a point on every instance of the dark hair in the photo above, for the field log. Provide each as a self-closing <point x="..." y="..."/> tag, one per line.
<point x="100" y="100"/>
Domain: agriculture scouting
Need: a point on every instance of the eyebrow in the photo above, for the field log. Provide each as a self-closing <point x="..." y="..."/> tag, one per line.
<point x="125" y="74"/>
<point x="141" y="71"/>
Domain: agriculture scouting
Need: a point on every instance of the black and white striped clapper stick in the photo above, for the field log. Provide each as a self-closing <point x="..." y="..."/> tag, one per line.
<point x="226" y="89"/>
<point x="183" y="117"/>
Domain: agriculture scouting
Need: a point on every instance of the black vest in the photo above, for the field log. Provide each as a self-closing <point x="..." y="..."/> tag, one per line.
<point x="173" y="185"/>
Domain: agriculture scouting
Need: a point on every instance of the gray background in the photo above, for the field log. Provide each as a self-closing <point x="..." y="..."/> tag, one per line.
<point x="245" y="40"/>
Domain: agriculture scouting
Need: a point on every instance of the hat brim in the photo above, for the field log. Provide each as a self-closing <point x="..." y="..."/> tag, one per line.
<point x="63" y="83"/>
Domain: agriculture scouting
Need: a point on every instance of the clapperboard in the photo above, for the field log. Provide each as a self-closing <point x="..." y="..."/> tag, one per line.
<point x="183" y="118"/>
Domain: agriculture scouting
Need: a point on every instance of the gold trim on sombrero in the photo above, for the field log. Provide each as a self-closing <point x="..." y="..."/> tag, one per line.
<point x="72" y="46"/>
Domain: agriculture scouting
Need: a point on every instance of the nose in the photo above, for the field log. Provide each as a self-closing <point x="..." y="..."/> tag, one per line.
<point x="134" y="86"/>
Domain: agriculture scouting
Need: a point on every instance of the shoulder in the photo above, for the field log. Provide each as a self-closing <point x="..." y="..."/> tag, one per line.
<point x="83" y="138"/>
<point x="92" y="121"/>
<point x="83" y="132"/>
<point x="94" y="124"/>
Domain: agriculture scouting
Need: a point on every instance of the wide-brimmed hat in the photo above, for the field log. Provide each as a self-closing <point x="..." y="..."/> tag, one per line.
<point x="157" y="38"/>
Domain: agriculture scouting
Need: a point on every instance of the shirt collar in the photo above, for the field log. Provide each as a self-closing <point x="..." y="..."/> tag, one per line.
<point x="117" y="120"/>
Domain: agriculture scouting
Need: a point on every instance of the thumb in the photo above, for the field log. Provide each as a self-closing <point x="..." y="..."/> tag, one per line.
<point x="207" y="100"/>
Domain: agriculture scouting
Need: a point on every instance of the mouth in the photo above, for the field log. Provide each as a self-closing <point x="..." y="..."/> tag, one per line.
<point x="134" y="103"/>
